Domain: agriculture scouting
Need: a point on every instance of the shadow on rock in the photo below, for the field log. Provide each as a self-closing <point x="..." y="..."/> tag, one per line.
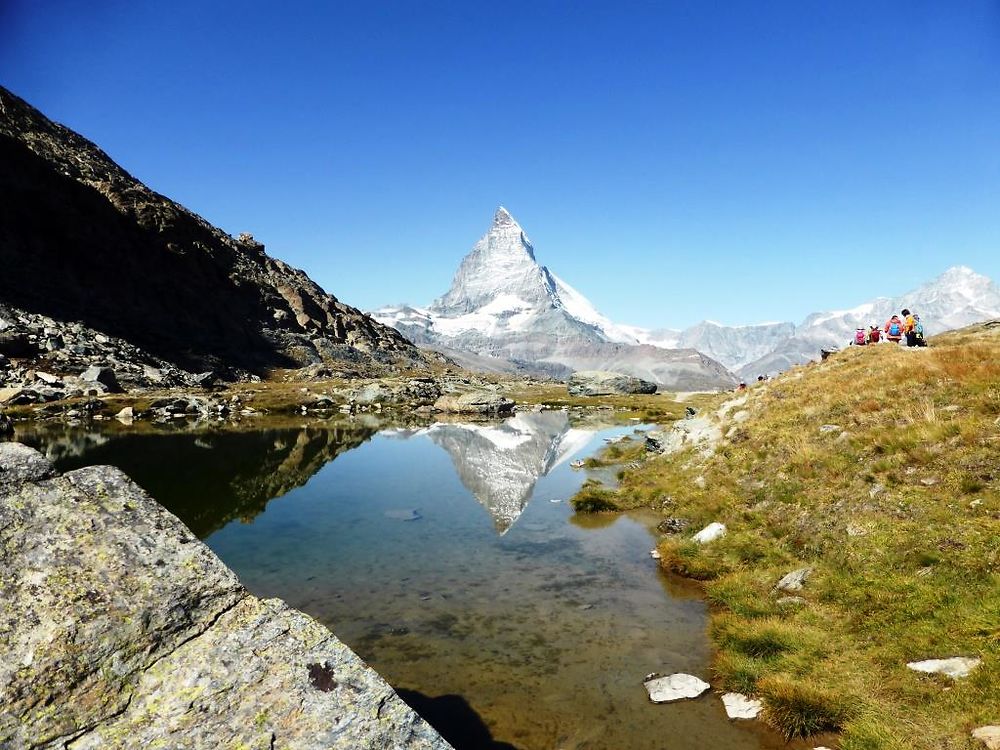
<point x="454" y="719"/>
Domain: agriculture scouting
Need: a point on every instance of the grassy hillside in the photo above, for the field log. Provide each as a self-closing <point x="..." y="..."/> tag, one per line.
<point x="880" y="469"/>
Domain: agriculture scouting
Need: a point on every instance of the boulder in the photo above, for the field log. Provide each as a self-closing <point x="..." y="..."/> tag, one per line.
<point x="126" y="415"/>
<point x="6" y="426"/>
<point x="674" y="687"/>
<point x="710" y="533"/>
<point x="121" y="629"/>
<point x="476" y="402"/>
<point x="989" y="736"/>
<point x="103" y="375"/>
<point x="793" y="581"/>
<point x="672" y="525"/>
<point x="205" y="379"/>
<point x="10" y="394"/>
<point x="954" y="667"/>
<point x="20" y="464"/>
<point x="603" y="383"/>
<point x="372" y="393"/>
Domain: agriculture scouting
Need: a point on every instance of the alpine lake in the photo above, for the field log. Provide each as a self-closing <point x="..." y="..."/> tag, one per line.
<point x="448" y="557"/>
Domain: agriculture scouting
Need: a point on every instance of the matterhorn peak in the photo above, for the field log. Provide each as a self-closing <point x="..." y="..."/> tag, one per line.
<point x="502" y="217"/>
<point x="500" y="265"/>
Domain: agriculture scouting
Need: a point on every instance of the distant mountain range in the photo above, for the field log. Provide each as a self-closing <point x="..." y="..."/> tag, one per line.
<point x="505" y="311"/>
<point x="956" y="298"/>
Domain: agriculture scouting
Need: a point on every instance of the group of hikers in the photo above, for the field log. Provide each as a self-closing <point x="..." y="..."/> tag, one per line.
<point x="895" y="330"/>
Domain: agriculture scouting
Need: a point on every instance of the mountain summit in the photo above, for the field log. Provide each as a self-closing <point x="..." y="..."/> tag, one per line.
<point x="501" y="264"/>
<point x="505" y="310"/>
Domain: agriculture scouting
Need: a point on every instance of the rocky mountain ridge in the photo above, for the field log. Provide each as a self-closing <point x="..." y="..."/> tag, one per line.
<point x="504" y="307"/>
<point x="82" y="240"/>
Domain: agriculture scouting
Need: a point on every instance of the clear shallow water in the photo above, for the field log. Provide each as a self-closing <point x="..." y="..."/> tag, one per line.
<point x="447" y="558"/>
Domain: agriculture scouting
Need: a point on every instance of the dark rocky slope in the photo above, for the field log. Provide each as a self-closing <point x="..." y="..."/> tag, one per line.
<point x="82" y="240"/>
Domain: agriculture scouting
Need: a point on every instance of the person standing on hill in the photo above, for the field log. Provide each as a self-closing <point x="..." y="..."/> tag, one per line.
<point x="894" y="329"/>
<point x="918" y="332"/>
<point x="910" y="327"/>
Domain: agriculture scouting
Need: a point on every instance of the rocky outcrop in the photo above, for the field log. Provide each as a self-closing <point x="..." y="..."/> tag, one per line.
<point x="82" y="240"/>
<point x="119" y="629"/>
<point x="601" y="383"/>
<point x="474" y="402"/>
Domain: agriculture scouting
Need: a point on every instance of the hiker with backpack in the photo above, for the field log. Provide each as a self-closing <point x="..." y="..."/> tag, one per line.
<point x="910" y="327"/>
<point x="860" y="337"/>
<point x="894" y="329"/>
<point x="918" y="333"/>
<point x="874" y="334"/>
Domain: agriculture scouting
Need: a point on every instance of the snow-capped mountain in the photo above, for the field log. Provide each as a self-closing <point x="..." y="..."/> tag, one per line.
<point x="956" y="298"/>
<point x="506" y="307"/>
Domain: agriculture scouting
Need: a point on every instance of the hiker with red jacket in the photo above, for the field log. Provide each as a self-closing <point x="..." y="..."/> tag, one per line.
<point x="894" y="329"/>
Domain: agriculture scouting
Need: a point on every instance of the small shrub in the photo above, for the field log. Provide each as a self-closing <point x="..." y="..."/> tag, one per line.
<point x="798" y="710"/>
<point x="969" y="485"/>
<point x="593" y="498"/>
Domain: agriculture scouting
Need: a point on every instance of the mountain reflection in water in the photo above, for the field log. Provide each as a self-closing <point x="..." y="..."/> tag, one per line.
<point x="500" y="463"/>
<point x="210" y="476"/>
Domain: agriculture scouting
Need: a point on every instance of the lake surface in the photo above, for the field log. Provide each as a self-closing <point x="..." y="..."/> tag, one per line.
<point x="448" y="558"/>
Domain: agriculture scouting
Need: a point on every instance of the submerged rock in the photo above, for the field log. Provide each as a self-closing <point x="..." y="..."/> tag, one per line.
<point x="739" y="706"/>
<point x="407" y="514"/>
<point x="674" y="687"/>
<point x="121" y="629"/>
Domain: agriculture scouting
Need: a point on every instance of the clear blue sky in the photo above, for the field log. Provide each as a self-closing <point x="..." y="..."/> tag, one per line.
<point x="674" y="161"/>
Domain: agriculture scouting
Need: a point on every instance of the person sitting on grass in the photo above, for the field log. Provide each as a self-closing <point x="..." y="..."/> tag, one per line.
<point x="918" y="333"/>
<point x="894" y="329"/>
<point x="874" y="334"/>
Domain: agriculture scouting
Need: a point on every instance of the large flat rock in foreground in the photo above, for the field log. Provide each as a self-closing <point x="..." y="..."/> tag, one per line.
<point x="118" y="628"/>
